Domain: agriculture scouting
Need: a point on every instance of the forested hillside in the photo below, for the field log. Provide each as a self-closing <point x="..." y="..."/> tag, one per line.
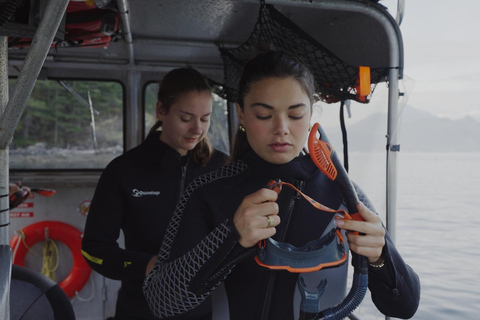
<point x="80" y="124"/>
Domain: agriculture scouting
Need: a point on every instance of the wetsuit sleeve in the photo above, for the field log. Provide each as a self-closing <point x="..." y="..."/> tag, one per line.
<point x="194" y="258"/>
<point x="395" y="287"/>
<point x="102" y="229"/>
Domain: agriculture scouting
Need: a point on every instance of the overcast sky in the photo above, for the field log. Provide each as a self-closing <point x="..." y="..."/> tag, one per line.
<point x="441" y="58"/>
<point x="442" y="55"/>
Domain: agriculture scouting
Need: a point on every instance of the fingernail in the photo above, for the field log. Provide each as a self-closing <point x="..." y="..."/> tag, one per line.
<point x="339" y="222"/>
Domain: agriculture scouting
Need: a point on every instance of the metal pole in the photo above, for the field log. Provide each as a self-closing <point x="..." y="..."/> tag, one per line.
<point x="124" y="10"/>
<point x="36" y="55"/>
<point x="393" y="146"/>
<point x="11" y="111"/>
<point x="4" y="205"/>
<point x="134" y="133"/>
<point x="5" y="250"/>
<point x="392" y="153"/>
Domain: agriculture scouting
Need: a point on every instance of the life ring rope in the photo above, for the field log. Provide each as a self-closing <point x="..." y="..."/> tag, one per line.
<point x="51" y="258"/>
<point x="59" y="231"/>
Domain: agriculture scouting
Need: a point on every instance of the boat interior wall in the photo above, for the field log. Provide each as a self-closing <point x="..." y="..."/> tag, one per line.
<point x="70" y="204"/>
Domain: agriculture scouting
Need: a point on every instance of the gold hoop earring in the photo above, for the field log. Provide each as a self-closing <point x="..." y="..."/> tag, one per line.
<point x="241" y="128"/>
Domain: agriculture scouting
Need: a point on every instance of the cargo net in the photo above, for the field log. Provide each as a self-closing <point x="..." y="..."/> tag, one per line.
<point x="335" y="79"/>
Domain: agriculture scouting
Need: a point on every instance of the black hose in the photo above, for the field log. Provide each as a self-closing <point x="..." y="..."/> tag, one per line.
<point x="360" y="263"/>
<point x="354" y="297"/>
<point x="352" y="301"/>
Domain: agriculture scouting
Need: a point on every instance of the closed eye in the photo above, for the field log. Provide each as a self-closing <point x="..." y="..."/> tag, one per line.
<point x="263" y="117"/>
<point x="296" y="117"/>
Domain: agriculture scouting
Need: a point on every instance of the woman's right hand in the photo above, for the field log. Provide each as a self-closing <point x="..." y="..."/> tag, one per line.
<point x="257" y="217"/>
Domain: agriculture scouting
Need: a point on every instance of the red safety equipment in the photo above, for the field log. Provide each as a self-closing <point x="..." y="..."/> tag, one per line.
<point x="65" y="233"/>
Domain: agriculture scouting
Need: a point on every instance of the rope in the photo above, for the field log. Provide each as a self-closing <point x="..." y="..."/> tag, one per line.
<point x="22" y="236"/>
<point x="50" y="258"/>
<point x="77" y="295"/>
<point x="50" y="254"/>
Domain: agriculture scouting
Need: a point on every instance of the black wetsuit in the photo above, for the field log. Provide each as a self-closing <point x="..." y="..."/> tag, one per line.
<point x="137" y="194"/>
<point x="205" y="250"/>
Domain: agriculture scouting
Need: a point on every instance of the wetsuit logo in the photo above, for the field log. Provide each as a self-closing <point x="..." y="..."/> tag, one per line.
<point x="138" y="193"/>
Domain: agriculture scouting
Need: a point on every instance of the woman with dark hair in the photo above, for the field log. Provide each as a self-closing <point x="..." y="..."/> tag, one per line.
<point x="221" y="218"/>
<point x="138" y="191"/>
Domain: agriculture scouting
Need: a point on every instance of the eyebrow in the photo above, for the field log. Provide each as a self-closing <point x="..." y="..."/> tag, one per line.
<point x="266" y="106"/>
<point x="191" y="114"/>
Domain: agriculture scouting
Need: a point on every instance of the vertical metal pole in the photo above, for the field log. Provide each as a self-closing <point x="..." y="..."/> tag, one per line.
<point x="11" y="111"/>
<point x="134" y="126"/>
<point x="133" y="112"/>
<point x="392" y="139"/>
<point x="5" y="251"/>
<point x="392" y="154"/>
<point x="4" y="178"/>
<point x="32" y="65"/>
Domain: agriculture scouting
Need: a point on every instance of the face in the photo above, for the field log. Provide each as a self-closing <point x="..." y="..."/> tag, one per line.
<point x="187" y="121"/>
<point x="276" y="117"/>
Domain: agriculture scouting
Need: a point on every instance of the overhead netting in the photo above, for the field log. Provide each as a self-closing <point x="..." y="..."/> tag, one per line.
<point x="336" y="80"/>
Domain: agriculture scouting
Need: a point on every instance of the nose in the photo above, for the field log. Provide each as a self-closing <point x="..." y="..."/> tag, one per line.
<point x="196" y="127"/>
<point x="281" y="127"/>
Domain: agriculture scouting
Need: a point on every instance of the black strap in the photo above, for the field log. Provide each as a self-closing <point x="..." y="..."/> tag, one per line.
<point x="344" y="136"/>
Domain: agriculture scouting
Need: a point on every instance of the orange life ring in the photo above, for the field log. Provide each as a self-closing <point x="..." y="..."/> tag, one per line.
<point x="65" y="233"/>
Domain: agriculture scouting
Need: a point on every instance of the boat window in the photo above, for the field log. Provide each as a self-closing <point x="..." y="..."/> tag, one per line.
<point x="218" y="132"/>
<point x="69" y="124"/>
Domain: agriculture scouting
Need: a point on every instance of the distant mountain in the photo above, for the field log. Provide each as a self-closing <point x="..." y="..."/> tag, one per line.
<point x="420" y="131"/>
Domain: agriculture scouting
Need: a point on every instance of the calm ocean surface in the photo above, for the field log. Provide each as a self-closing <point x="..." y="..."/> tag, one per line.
<point x="438" y="228"/>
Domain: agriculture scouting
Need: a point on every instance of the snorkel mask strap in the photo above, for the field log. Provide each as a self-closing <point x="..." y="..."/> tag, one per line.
<point x="277" y="187"/>
<point x="328" y="251"/>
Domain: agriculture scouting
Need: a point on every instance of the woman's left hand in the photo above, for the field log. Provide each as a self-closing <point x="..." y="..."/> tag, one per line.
<point x="371" y="241"/>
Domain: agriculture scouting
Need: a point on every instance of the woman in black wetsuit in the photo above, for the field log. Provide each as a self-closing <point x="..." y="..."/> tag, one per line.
<point x="138" y="191"/>
<point x="213" y="235"/>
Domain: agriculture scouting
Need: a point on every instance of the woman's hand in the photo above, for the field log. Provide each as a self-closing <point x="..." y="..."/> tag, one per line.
<point x="372" y="239"/>
<point x="150" y="265"/>
<point x="257" y="217"/>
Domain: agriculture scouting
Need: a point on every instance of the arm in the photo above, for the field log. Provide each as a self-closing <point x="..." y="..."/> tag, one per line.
<point x="102" y="229"/>
<point x="168" y="288"/>
<point x="195" y="255"/>
<point x="395" y="287"/>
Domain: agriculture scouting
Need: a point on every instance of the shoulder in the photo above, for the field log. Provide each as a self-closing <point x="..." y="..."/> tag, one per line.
<point x="218" y="158"/>
<point x="131" y="159"/>
<point x="219" y="178"/>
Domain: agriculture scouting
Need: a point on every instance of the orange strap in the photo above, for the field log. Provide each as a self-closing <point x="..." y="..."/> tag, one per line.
<point x="277" y="187"/>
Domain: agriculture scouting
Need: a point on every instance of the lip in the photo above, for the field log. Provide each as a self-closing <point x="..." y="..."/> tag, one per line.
<point x="280" y="146"/>
<point x="191" y="140"/>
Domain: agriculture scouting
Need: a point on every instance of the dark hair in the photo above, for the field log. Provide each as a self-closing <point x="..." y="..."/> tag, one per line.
<point x="270" y="64"/>
<point x="174" y="84"/>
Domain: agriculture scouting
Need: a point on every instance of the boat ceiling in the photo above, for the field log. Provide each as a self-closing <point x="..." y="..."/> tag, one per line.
<point x="171" y="33"/>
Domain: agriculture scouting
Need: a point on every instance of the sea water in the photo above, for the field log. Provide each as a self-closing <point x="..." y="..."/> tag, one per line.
<point x="438" y="228"/>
